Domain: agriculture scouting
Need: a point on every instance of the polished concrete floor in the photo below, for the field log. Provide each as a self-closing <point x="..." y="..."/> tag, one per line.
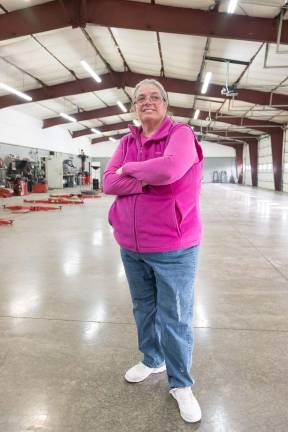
<point x="67" y="333"/>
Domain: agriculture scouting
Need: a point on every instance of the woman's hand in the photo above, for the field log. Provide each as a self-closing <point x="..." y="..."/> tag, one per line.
<point x="119" y="172"/>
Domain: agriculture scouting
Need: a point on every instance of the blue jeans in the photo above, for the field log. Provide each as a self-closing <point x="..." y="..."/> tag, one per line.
<point x="162" y="291"/>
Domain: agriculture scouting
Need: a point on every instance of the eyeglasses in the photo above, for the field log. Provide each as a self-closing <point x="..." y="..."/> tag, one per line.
<point x="152" y="98"/>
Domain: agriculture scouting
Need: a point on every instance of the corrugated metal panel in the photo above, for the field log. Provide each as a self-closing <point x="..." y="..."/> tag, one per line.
<point x="283" y="118"/>
<point x="193" y="4"/>
<point x="128" y="116"/>
<point x="234" y="50"/>
<point x="219" y="72"/>
<point x="181" y="100"/>
<point x="111" y="96"/>
<point x="180" y="119"/>
<point x="110" y="120"/>
<point x="59" y="105"/>
<point x="262" y="78"/>
<point x="73" y="48"/>
<point x="92" y="123"/>
<point x="105" y="44"/>
<point x="71" y="127"/>
<point x="11" y="5"/>
<point x="265" y="167"/>
<point x="28" y="55"/>
<point x="182" y="55"/>
<point x="285" y="161"/>
<point x="87" y="101"/>
<point x="36" y="110"/>
<point x="260" y="8"/>
<point x="200" y="123"/>
<point x="247" y="178"/>
<point x="208" y="105"/>
<point x="140" y="50"/>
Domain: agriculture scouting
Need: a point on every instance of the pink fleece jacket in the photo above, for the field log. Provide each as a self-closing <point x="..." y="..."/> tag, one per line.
<point x="164" y="215"/>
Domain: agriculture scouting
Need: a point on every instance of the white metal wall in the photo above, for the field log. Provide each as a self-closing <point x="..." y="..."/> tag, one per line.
<point x="265" y="166"/>
<point x="285" y="162"/>
<point x="23" y="130"/>
<point x="247" y="178"/>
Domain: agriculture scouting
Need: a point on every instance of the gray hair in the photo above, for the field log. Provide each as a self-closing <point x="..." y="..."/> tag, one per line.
<point x="156" y="84"/>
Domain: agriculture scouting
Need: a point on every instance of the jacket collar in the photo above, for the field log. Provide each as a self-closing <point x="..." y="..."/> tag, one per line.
<point x="161" y="133"/>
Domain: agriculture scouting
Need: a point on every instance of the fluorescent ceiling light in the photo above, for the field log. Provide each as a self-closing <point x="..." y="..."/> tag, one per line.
<point x="16" y="92"/>
<point x="206" y="82"/>
<point x="196" y="115"/>
<point x="232" y="6"/>
<point x="94" y="130"/>
<point x="88" y="68"/>
<point x="68" y="117"/>
<point x="121" y="106"/>
<point x="136" y="123"/>
<point x="112" y="139"/>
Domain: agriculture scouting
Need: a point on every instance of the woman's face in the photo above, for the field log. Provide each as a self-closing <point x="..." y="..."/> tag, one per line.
<point x="149" y="104"/>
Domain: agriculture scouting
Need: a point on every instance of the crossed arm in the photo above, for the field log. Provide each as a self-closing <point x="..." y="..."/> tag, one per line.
<point x="115" y="183"/>
<point x="179" y="156"/>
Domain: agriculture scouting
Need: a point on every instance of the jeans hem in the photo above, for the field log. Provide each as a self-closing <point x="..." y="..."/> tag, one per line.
<point x="153" y="366"/>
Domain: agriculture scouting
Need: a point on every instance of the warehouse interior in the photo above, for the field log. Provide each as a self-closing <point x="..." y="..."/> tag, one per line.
<point x="67" y="73"/>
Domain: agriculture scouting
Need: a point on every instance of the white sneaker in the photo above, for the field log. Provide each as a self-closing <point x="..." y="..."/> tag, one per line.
<point x="140" y="372"/>
<point x="189" y="407"/>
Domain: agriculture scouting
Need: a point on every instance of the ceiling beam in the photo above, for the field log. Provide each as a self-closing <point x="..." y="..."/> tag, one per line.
<point x="105" y="128"/>
<point x="86" y="115"/>
<point x="228" y="134"/>
<point x="130" y="79"/>
<point x="35" y="19"/>
<point x="194" y="88"/>
<point x="262" y="125"/>
<point x="172" y="110"/>
<point x="124" y="125"/>
<point x="225" y="134"/>
<point x="106" y="138"/>
<point x="69" y="88"/>
<point x="150" y="17"/>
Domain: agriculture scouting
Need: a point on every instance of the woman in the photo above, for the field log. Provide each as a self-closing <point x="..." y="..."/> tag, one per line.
<point x="156" y="174"/>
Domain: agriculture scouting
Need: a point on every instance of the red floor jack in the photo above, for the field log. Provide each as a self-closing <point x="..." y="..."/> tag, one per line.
<point x="27" y="209"/>
<point x="6" y="221"/>
<point x="81" y="195"/>
<point x="6" y="192"/>
<point x="55" y="201"/>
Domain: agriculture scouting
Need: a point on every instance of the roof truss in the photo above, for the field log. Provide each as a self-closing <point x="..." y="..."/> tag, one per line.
<point x="130" y="79"/>
<point x="152" y="17"/>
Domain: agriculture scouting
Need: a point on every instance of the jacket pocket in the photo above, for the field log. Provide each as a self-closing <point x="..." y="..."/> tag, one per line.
<point x="110" y="213"/>
<point x="156" y="221"/>
<point x="178" y="217"/>
<point x="121" y="217"/>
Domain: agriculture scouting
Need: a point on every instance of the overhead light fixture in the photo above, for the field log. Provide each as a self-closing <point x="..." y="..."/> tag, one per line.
<point x="94" y="130"/>
<point x="206" y="82"/>
<point x="232" y="6"/>
<point x="122" y="106"/>
<point x="16" y="92"/>
<point x="196" y="114"/>
<point x="136" y="123"/>
<point x="68" y="117"/>
<point x="88" y="68"/>
<point x="112" y="139"/>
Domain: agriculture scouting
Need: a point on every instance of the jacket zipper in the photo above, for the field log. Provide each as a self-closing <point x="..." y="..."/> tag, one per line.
<point x="139" y="158"/>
